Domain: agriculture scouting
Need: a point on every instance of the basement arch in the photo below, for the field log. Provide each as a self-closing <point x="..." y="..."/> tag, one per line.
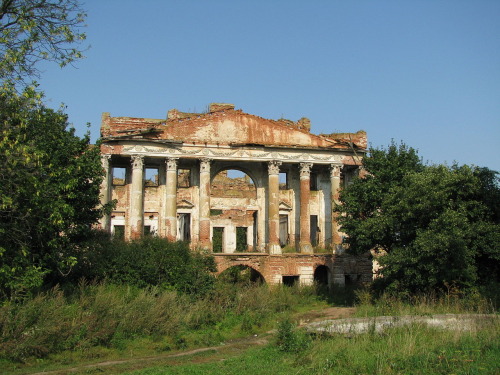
<point x="322" y="275"/>
<point x="241" y="273"/>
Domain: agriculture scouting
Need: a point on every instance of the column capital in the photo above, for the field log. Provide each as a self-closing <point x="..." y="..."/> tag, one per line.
<point x="171" y="163"/>
<point x="105" y="158"/>
<point x="137" y="161"/>
<point x="205" y="164"/>
<point x="274" y="166"/>
<point x="335" y="170"/>
<point x="305" y="169"/>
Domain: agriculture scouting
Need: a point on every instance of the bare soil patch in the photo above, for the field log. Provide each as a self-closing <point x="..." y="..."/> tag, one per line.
<point x="326" y="314"/>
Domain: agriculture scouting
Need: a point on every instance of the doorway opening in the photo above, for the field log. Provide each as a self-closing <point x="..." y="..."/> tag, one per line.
<point x="241" y="239"/>
<point x="218" y="240"/>
<point x="284" y="230"/>
<point x="184" y="227"/>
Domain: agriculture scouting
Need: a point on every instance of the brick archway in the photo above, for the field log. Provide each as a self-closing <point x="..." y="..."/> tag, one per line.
<point x="253" y="276"/>
<point x="274" y="268"/>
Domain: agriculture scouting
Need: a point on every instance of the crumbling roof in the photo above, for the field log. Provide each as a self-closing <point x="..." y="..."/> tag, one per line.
<point x="222" y="124"/>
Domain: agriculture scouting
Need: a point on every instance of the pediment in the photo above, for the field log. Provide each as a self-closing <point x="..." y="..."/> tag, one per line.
<point x="285" y="206"/>
<point x="227" y="127"/>
<point x="184" y="203"/>
<point x="241" y="130"/>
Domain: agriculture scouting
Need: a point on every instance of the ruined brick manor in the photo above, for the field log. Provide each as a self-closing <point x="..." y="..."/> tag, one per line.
<point x="255" y="192"/>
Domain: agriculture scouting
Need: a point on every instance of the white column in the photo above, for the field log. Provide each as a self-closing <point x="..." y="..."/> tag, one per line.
<point x="335" y="170"/>
<point x="273" y="202"/>
<point x="137" y="197"/>
<point x="105" y="193"/>
<point x="170" y="212"/>
<point x="204" y="230"/>
<point x="305" y="217"/>
<point x="261" y="219"/>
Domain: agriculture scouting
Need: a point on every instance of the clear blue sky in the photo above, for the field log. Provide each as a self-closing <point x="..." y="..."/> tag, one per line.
<point x="423" y="72"/>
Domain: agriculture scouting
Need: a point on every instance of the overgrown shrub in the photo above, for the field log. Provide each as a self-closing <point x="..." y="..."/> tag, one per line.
<point x="291" y="340"/>
<point x="96" y="315"/>
<point x="110" y="315"/>
<point x="149" y="261"/>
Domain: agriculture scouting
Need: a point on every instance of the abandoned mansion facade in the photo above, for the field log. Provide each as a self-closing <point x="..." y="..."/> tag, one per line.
<point x="253" y="191"/>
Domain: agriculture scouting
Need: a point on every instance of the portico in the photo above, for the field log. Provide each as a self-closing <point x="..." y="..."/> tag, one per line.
<point x="176" y="178"/>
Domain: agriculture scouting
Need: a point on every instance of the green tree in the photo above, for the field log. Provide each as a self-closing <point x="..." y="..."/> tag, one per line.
<point x="49" y="191"/>
<point x="438" y="225"/>
<point x="38" y="30"/>
<point x="362" y="201"/>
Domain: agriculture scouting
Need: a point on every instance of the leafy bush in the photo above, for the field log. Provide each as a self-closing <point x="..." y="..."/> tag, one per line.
<point x="149" y="261"/>
<point x="291" y="340"/>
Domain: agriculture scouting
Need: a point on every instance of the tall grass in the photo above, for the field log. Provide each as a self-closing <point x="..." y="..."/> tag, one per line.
<point x="109" y="315"/>
<point x="413" y="349"/>
<point x="114" y="316"/>
<point x="424" y="304"/>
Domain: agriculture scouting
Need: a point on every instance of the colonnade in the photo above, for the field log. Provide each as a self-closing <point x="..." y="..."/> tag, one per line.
<point x="168" y="211"/>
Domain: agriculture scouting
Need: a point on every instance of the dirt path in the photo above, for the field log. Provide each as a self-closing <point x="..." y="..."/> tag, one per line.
<point x="228" y="349"/>
<point x="326" y="314"/>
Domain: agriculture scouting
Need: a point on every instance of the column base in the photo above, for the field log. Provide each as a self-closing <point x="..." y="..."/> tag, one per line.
<point x="306" y="248"/>
<point x="171" y="229"/>
<point x="275" y="249"/>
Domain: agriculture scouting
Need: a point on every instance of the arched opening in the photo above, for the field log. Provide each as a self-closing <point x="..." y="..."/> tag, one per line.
<point x="241" y="274"/>
<point x="233" y="211"/>
<point x="232" y="183"/>
<point x="321" y="276"/>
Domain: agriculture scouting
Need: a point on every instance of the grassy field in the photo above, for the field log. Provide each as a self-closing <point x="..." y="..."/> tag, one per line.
<point x="410" y="350"/>
<point x="242" y="330"/>
<point x="109" y="322"/>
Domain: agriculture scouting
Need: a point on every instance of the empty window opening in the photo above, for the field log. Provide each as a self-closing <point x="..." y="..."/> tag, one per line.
<point x="151" y="177"/>
<point x="218" y="239"/>
<point x="119" y="175"/>
<point x="313" y="181"/>
<point x="184" y="227"/>
<point x="215" y="212"/>
<point x="119" y="232"/>
<point x="290" y="280"/>
<point x="241" y="239"/>
<point x="283" y="179"/>
<point x="314" y="230"/>
<point x="147" y="230"/>
<point x="183" y="178"/>
<point x="284" y="236"/>
<point x="347" y="177"/>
